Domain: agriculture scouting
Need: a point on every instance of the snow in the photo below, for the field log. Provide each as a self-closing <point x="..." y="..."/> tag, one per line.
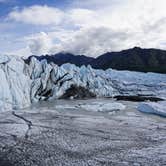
<point x="153" y="108"/>
<point x="22" y="84"/>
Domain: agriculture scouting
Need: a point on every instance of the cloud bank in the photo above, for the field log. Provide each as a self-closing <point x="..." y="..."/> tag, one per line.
<point x="94" y="27"/>
<point x="37" y="15"/>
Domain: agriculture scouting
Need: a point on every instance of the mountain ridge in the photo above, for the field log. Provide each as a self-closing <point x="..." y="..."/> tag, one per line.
<point x="133" y="59"/>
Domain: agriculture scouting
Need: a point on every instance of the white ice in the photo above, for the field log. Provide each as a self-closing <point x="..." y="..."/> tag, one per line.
<point x="153" y="108"/>
<point x="22" y="84"/>
<point x="102" y="107"/>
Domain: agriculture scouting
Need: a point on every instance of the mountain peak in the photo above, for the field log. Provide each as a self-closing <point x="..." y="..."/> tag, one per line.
<point x="137" y="48"/>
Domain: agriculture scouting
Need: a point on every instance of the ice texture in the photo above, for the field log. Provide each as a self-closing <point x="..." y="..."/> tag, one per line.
<point x="153" y="108"/>
<point x="15" y="84"/>
<point x="103" y="107"/>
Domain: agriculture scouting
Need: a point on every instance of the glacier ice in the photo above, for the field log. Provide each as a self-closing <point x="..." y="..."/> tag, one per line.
<point x="15" y="85"/>
<point x="153" y="108"/>
<point x="97" y="106"/>
<point x="102" y="107"/>
<point x="22" y="84"/>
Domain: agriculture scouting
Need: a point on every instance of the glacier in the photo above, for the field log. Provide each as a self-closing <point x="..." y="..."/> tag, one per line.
<point x="15" y="84"/>
<point x="23" y="84"/>
<point x="153" y="108"/>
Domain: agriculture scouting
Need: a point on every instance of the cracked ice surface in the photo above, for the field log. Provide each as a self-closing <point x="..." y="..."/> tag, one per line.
<point x="79" y="137"/>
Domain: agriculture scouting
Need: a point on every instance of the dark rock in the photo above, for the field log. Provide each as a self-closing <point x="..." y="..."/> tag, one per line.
<point x="138" y="98"/>
<point x="62" y="58"/>
<point x="77" y="92"/>
<point x="135" y="59"/>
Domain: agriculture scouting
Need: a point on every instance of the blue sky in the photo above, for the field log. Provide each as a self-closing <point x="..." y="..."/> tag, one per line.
<point x="8" y="5"/>
<point x="90" y="27"/>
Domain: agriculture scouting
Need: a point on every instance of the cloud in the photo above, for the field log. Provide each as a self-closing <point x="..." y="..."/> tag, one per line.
<point x="40" y="44"/>
<point x="37" y="15"/>
<point x="89" y="41"/>
<point x="96" y="3"/>
<point x="51" y="16"/>
<point x="83" y="17"/>
<point x="94" y="27"/>
<point x="95" y="41"/>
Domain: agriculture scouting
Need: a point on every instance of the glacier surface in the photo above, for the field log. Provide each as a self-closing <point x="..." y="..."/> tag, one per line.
<point x="23" y="84"/>
<point x="102" y="107"/>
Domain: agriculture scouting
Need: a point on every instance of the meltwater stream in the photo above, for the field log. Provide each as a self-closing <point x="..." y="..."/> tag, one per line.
<point x="82" y="132"/>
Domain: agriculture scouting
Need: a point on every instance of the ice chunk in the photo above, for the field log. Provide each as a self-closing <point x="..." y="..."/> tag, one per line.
<point x="15" y="85"/>
<point x="153" y="108"/>
<point x="103" y="107"/>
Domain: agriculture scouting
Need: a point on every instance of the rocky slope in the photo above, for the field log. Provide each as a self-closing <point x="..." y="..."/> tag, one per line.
<point x="135" y="59"/>
<point x="62" y="58"/>
<point x="22" y="84"/>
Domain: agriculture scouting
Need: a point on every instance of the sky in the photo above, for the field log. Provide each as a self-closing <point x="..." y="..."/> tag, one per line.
<point x="81" y="27"/>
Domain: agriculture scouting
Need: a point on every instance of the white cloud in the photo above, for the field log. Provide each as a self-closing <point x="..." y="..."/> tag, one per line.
<point x="40" y="44"/>
<point x="101" y="26"/>
<point x="92" y="42"/>
<point x="37" y="15"/>
<point x="95" y="41"/>
<point x="83" y="17"/>
<point x="23" y="52"/>
<point x="96" y="3"/>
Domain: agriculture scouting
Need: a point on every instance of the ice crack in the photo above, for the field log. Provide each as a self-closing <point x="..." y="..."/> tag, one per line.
<point x="28" y="122"/>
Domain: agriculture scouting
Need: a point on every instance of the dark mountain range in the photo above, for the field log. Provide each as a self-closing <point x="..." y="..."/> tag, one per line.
<point x="135" y="59"/>
<point x="62" y="58"/>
